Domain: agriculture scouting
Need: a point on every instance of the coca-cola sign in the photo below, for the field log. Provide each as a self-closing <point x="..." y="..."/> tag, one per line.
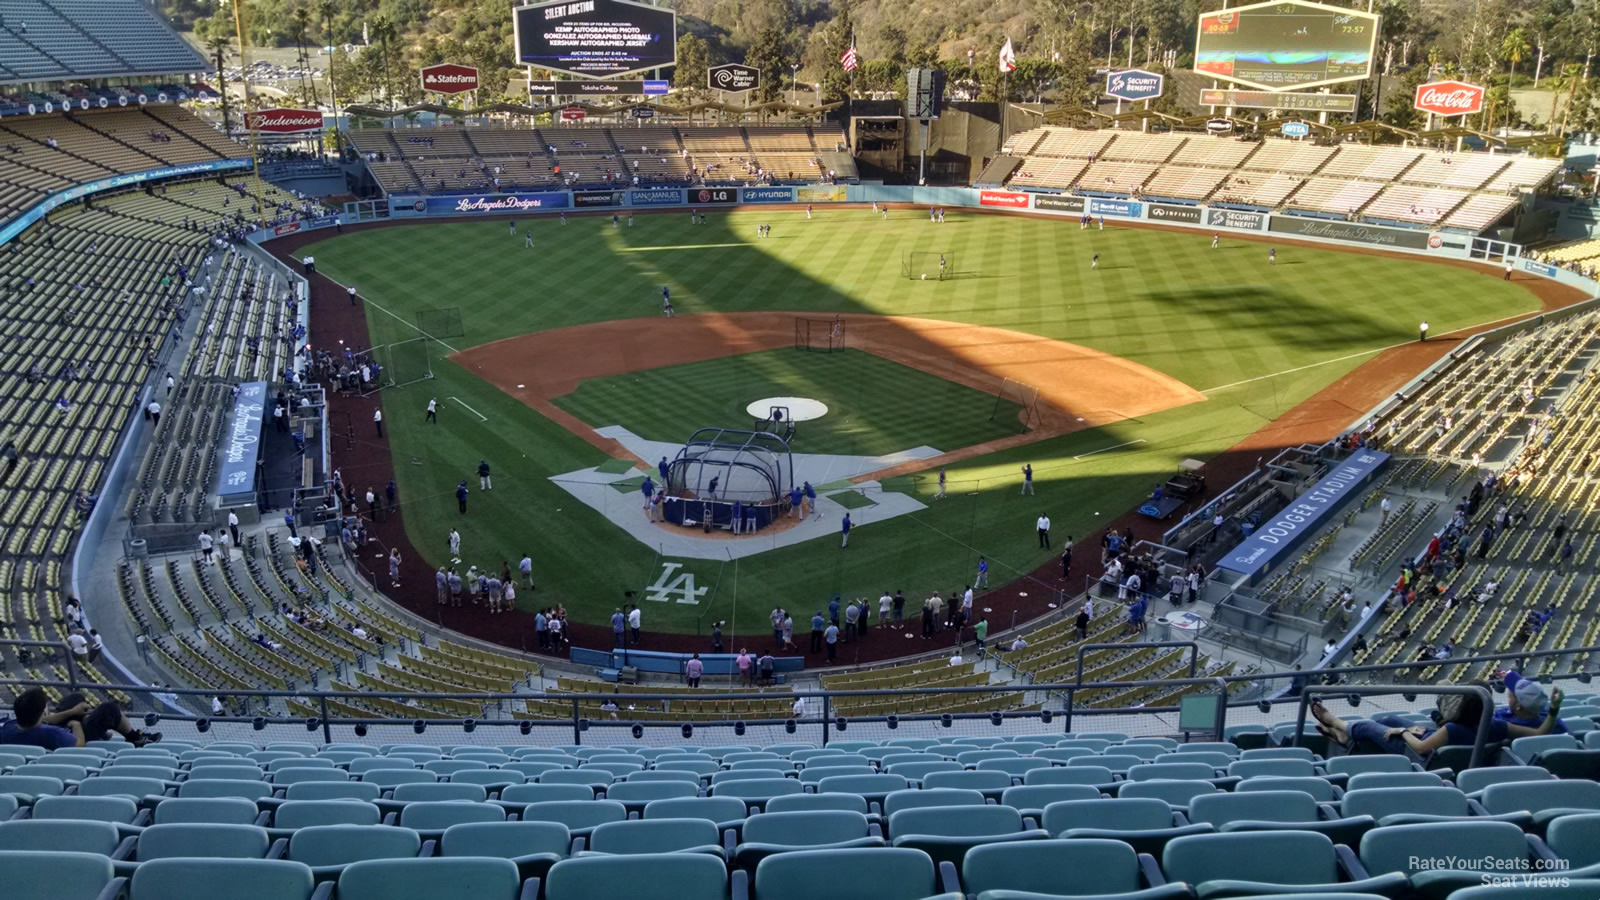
<point x="1449" y="98"/>
<point x="284" y="121"/>
<point x="449" y="78"/>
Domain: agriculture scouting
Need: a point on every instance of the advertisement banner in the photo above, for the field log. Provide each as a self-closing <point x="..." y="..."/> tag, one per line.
<point x="1286" y="44"/>
<point x="1233" y="218"/>
<point x="1166" y="212"/>
<point x="1058" y="203"/>
<point x="766" y="195"/>
<point x="1539" y="268"/>
<point x="733" y="78"/>
<point x="1449" y="98"/>
<point x="713" y="195"/>
<point x="1349" y="231"/>
<point x="1303" y="516"/>
<point x="285" y="228"/>
<point x="284" y="121"/>
<point x="1003" y="199"/>
<point x="575" y="88"/>
<point x="1128" y="209"/>
<point x="241" y="441"/>
<point x="1294" y="129"/>
<point x="1337" y="103"/>
<point x="820" y="193"/>
<point x="21" y="222"/>
<point x="492" y="204"/>
<point x="1134" y="84"/>
<point x="449" y="78"/>
<point x="655" y="197"/>
<point x="583" y="199"/>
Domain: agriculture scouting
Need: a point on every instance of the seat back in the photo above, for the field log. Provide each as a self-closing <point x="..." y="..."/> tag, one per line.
<point x="1371" y="762"/>
<point x="540" y="793"/>
<point x="1258" y="806"/>
<point x="1408" y="848"/>
<point x="117" y="810"/>
<point x="1280" y="753"/>
<point x="54" y="875"/>
<point x="1380" y="802"/>
<point x="199" y="879"/>
<point x="1224" y="747"/>
<point x="909" y="799"/>
<point x="113" y="786"/>
<point x="73" y="835"/>
<point x="654" y="836"/>
<point x="450" y="878"/>
<point x="1526" y="748"/>
<point x="972" y="781"/>
<point x="284" y="777"/>
<point x="249" y="790"/>
<point x="711" y="809"/>
<point x="1474" y="780"/>
<point x="805" y="829"/>
<point x="1282" y="768"/>
<point x="642" y="792"/>
<point x="1576" y="839"/>
<point x="393" y="778"/>
<point x="1070" y="774"/>
<point x="955" y="821"/>
<point x="1365" y="781"/>
<point x="667" y="876"/>
<point x="1078" y="867"/>
<point x="341" y="790"/>
<point x="425" y="792"/>
<point x="1535" y="796"/>
<point x="311" y="813"/>
<point x="873" y="785"/>
<point x="337" y="845"/>
<point x="803" y="802"/>
<point x="575" y="814"/>
<point x="1269" y="857"/>
<point x="1172" y="771"/>
<point x="1175" y="793"/>
<point x="1037" y="796"/>
<point x="1143" y="814"/>
<point x="887" y="873"/>
<point x="437" y="815"/>
<point x="505" y="840"/>
<point x="1320" y="789"/>
<point x="226" y="772"/>
<point x="208" y="840"/>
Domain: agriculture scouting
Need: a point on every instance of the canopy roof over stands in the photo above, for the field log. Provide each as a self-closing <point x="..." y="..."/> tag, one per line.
<point x="599" y="109"/>
<point x="56" y="40"/>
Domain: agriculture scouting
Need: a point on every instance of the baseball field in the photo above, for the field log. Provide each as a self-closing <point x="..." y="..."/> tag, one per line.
<point x="1167" y="350"/>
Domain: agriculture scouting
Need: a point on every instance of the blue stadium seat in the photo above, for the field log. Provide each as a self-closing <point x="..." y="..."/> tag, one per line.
<point x="533" y="846"/>
<point x="725" y="812"/>
<point x="296" y="814"/>
<point x="580" y="816"/>
<point x="1079" y="868"/>
<point x="1177" y="794"/>
<point x="1321" y="789"/>
<point x="1031" y="799"/>
<point x="668" y="876"/>
<point x="1421" y="852"/>
<point x="887" y="873"/>
<point x="199" y="879"/>
<point x="204" y="840"/>
<point x="328" y="849"/>
<point x="1264" y="862"/>
<point x="946" y="833"/>
<point x="648" y="836"/>
<point x="911" y="799"/>
<point x="439" y="878"/>
<point x="1145" y="824"/>
<point x="116" y="810"/>
<point x="772" y="833"/>
<point x="54" y="875"/>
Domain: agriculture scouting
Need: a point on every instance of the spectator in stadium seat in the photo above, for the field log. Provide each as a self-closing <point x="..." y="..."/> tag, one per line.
<point x="1459" y="715"/>
<point x="1526" y="703"/>
<point x="32" y="726"/>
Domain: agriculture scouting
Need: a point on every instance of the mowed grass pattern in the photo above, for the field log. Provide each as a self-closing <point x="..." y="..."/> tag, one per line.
<point x="1211" y="318"/>
<point x="875" y="406"/>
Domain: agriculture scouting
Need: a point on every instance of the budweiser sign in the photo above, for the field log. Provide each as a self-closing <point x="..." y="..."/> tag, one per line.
<point x="1449" y="98"/>
<point x="284" y="121"/>
<point x="449" y="78"/>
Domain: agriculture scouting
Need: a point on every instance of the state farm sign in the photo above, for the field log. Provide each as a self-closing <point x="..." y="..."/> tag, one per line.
<point x="449" y="78"/>
<point x="1449" y="98"/>
<point x="284" y="121"/>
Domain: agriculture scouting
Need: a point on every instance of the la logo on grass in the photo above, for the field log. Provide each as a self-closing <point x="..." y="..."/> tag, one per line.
<point x="674" y="586"/>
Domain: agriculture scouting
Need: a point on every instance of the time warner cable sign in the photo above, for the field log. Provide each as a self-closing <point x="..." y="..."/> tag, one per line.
<point x="596" y="38"/>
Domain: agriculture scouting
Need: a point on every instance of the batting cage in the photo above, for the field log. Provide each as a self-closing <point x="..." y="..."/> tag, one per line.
<point x="928" y="265"/>
<point x="729" y="479"/>
<point x="405" y="362"/>
<point x="1019" y="395"/>
<point x="444" y="322"/>
<point x="821" y="335"/>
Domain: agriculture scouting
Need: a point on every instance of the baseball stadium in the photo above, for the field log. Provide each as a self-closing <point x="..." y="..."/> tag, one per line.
<point x="521" y="479"/>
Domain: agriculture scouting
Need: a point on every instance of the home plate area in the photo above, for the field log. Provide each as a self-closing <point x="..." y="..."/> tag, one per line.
<point x="613" y="491"/>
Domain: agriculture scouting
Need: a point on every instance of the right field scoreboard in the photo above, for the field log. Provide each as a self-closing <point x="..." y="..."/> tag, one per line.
<point x="1287" y="45"/>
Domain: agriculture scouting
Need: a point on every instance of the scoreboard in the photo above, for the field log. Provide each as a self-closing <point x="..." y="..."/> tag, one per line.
<point x="1286" y="45"/>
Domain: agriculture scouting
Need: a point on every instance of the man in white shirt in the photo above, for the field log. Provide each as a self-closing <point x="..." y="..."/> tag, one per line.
<point x="96" y="645"/>
<point x="154" y="409"/>
<point x="205" y="545"/>
<point x="79" y="644"/>
<point x="1383" y="508"/>
<point x="216" y="706"/>
<point x="233" y="526"/>
<point x="633" y="623"/>
<point x="377" y="419"/>
<point x="1044" y="531"/>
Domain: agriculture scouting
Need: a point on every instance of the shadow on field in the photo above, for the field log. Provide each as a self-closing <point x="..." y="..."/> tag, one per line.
<point x="1259" y="309"/>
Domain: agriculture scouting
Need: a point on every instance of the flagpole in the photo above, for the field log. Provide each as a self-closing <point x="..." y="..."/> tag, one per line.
<point x="854" y="67"/>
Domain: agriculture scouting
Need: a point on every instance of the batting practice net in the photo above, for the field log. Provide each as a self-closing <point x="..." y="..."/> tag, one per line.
<point x="930" y="265"/>
<point x="1021" y="394"/>
<point x="405" y="362"/>
<point x="821" y="335"/>
<point x="444" y="322"/>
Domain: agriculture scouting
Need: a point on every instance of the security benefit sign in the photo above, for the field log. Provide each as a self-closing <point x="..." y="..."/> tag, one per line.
<point x="1134" y="84"/>
<point x="1303" y="516"/>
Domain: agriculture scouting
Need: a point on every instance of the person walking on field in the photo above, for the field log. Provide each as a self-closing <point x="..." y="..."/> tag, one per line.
<point x="377" y="419"/>
<point x="485" y="483"/>
<point x="1044" y="531"/>
<point x="461" y="496"/>
<point x="844" y="530"/>
<point x="433" y="411"/>
<point x="666" y="301"/>
<point x="455" y="543"/>
<point x="940" y="495"/>
<point x="1422" y="331"/>
<point x="1027" y="478"/>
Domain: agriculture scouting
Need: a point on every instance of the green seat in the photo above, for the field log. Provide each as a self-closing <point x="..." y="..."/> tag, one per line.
<point x="908" y="799"/>
<point x="327" y="849"/>
<point x="116" y="810"/>
<point x="343" y="790"/>
<point x="1174" y="793"/>
<point x="726" y="812"/>
<point x="668" y="876"/>
<point x="284" y="777"/>
<point x="757" y="792"/>
<point x="206" y="879"/>
<point x="1062" y="868"/>
<point x="883" y="873"/>
<point x="1146" y="824"/>
<point x="1070" y="774"/>
<point x="440" y="878"/>
<point x="779" y="832"/>
<point x="249" y="790"/>
<point x="1388" y="805"/>
<point x="1408" y="850"/>
<point x="1264" y="862"/>
<point x="635" y="795"/>
<point x="533" y="846"/>
<point x="1031" y="799"/>
<point x="293" y="814"/>
<point x="1320" y="789"/>
<point x="946" y="833"/>
<point x="112" y="786"/>
<point x="645" y="836"/>
<point x="1576" y="839"/>
<point x="205" y="840"/>
<point x="418" y="793"/>
<point x="1368" y="762"/>
<point x="807" y="802"/>
<point x="1573" y="889"/>
<point x="580" y="816"/>
<point x="71" y="835"/>
<point x="990" y="784"/>
<point x="431" y="816"/>
<point x="1367" y="781"/>
<point x="54" y="875"/>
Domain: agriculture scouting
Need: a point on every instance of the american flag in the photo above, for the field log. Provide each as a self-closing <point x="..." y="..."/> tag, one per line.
<point x="850" y="59"/>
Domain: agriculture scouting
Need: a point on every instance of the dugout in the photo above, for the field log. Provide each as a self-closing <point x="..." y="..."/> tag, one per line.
<point x="720" y="469"/>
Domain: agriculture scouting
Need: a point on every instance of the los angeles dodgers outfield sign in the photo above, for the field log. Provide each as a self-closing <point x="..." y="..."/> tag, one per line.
<point x="1303" y="516"/>
<point x="495" y="204"/>
<point x="1135" y="84"/>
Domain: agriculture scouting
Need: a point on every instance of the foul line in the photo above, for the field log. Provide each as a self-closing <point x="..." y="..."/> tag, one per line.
<point x="391" y="315"/>
<point x="470" y="409"/>
<point x="680" y="247"/>
<point x="1112" y="447"/>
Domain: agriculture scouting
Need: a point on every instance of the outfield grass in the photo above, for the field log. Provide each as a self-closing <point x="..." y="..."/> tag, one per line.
<point x="1222" y="321"/>
<point x="875" y="406"/>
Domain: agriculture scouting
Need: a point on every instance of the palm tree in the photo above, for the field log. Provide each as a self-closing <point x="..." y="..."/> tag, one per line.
<point x="383" y="30"/>
<point x="220" y="45"/>
<point x="1514" y="49"/>
<point x="302" y="23"/>
<point x="325" y="12"/>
